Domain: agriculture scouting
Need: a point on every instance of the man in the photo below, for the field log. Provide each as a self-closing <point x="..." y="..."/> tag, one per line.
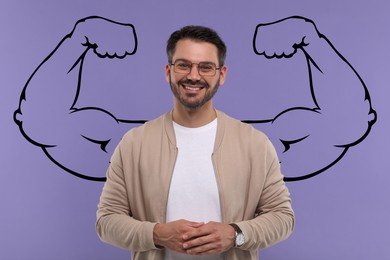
<point x="194" y="183"/>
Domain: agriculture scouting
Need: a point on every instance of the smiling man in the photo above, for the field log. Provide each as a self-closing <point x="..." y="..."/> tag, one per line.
<point x="194" y="88"/>
<point x="194" y="183"/>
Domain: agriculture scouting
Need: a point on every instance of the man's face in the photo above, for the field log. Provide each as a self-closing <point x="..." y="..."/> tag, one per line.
<point x="192" y="90"/>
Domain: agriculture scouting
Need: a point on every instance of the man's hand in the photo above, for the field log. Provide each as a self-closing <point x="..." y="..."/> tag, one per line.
<point x="171" y="235"/>
<point x="210" y="238"/>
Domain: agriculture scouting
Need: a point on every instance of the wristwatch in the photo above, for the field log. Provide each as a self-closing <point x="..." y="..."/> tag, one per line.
<point x="240" y="238"/>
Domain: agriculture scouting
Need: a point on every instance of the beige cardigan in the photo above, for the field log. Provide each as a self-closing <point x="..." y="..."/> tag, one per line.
<point x="251" y="188"/>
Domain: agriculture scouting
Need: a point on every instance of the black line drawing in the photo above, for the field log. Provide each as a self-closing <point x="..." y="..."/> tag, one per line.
<point x="331" y="126"/>
<point x="49" y="100"/>
<point x="47" y="105"/>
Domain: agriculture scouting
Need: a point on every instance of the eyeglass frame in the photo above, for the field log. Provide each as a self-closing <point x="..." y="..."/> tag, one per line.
<point x="197" y="67"/>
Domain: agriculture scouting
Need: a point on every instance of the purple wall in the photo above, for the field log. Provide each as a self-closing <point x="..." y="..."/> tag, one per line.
<point x="55" y="147"/>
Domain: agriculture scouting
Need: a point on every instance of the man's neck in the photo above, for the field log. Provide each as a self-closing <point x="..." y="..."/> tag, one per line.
<point x="194" y="118"/>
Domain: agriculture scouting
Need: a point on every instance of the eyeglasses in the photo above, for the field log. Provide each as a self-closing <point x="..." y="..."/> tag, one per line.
<point x="207" y="69"/>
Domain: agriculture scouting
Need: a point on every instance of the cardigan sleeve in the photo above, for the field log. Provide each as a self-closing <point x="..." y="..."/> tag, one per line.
<point x="274" y="220"/>
<point x="115" y="224"/>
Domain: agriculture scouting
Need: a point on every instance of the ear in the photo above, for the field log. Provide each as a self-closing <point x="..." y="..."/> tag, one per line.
<point x="167" y="72"/>
<point x="222" y="75"/>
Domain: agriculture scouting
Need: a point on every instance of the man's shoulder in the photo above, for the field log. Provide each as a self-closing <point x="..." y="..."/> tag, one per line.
<point x="233" y="124"/>
<point x="147" y="128"/>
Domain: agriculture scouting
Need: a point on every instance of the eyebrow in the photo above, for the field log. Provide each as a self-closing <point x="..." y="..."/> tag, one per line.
<point x="207" y="62"/>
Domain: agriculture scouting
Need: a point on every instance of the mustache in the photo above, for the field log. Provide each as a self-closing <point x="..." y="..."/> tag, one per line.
<point x="194" y="82"/>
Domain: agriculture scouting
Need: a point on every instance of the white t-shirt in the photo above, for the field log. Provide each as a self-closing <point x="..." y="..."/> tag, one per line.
<point x="193" y="193"/>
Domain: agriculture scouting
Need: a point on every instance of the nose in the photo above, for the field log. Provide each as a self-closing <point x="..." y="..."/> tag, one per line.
<point x="194" y="73"/>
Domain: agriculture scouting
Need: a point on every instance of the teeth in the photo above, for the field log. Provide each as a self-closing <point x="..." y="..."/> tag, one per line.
<point x="189" y="88"/>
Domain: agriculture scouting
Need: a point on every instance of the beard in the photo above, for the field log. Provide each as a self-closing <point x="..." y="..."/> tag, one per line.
<point x="193" y="105"/>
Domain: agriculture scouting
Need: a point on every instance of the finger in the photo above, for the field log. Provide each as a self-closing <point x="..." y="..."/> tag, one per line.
<point x="200" y="240"/>
<point x="193" y="234"/>
<point x="196" y="224"/>
<point x="205" y="249"/>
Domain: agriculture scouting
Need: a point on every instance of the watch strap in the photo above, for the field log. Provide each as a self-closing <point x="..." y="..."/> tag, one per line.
<point x="236" y="228"/>
<point x="238" y="232"/>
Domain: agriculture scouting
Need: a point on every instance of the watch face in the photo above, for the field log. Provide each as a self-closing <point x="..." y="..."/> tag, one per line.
<point x="240" y="239"/>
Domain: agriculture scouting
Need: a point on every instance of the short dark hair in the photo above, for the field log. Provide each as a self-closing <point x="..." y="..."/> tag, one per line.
<point x="197" y="33"/>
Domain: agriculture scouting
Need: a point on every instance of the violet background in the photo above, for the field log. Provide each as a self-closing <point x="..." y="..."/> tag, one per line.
<point x="47" y="213"/>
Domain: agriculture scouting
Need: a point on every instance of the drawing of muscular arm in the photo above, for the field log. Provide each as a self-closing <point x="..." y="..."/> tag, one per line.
<point x="341" y="115"/>
<point x="75" y="138"/>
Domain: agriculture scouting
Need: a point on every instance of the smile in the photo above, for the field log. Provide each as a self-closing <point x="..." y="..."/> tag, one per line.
<point x="192" y="88"/>
<point x="191" y="85"/>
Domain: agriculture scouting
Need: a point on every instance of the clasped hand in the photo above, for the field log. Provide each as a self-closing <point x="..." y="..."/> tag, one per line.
<point x="195" y="238"/>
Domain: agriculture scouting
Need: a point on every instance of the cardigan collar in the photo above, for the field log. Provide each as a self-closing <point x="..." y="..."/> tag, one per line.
<point x="168" y="126"/>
